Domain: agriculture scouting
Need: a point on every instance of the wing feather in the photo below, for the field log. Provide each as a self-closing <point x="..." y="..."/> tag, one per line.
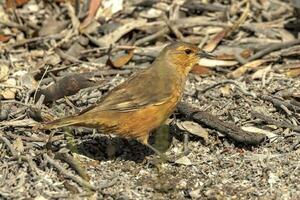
<point x="139" y="91"/>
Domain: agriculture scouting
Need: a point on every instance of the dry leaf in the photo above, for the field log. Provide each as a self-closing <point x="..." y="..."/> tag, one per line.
<point x="201" y="70"/>
<point x="244" y="68"/>
<point x="18" y="145"/>
<point x="109" y="7"/>
<point x="4" y="72"/>
<point x="215" y="63"/>
<point x="184" y="161"/>
<point x="212" y="44"/>
<point x="41" y="198"/>
<point x="4" y="38"/>
<point x="293" y="72"/>
<point x="261" y="72"/>
<point x="226" y="90"/>
<point x="9" y="92"/>
<point x="252" y="129"/>
<point x="244" y="54"/>
<point x="114" y="36"/>
<point x="194" y="129"/>
<point x="14" y="3"/>
<point x="20" y="123"/>
<point x="28" y="81"/>
<point x="52" y="26"/>
<point x="120" y="61"/>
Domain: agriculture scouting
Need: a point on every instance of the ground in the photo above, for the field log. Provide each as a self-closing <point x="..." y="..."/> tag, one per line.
<point x="252" y="83"/>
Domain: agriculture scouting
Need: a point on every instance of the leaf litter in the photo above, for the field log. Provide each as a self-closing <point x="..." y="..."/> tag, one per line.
<point x="45" y="46"/>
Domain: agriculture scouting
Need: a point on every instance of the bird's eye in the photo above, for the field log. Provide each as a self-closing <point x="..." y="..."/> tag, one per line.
<point x="188" y="51"/>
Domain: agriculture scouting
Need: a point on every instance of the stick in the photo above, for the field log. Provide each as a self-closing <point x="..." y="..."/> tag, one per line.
<point x="228" y="129"/>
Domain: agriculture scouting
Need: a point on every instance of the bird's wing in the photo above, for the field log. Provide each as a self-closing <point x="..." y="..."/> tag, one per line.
<point x="141" y="90"/>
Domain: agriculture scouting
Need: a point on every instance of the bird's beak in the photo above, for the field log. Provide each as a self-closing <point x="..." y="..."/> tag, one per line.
<point x="204" y="54"/>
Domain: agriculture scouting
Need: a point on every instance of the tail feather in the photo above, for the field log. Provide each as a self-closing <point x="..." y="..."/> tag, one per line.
<point x="58" y="123"/>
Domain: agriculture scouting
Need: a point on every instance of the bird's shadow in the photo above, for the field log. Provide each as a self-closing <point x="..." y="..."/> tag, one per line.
<point x="105" y="148"/>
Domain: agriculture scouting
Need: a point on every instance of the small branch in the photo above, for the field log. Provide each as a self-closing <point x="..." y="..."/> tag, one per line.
<point x="152" y="37"/>
<point x="282" y="124"/>
<point x="228" y="129"/>
<point x="273" y="47"/>
<point x="280" y="104"/>
<point x="236" y="83"/>
<point x="17" y="155"/>
<point x="67" y="174"/>
<point x="73" y="164"/>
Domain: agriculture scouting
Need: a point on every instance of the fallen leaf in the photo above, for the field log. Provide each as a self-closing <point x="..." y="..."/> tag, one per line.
<point x="193" y="128"/>
<point x="20" y="123"/>
<point x="272" y="136"/>
<point x="114" y="36"/>
<point x="120" y="61"/>
<point x="28" y="81"/>
<point x="52" y="26"/>
<point x="215" y="63"/>
<point x="261" y="72"/>
<point x="212" y="44"/>
<point x="75" y="50"/>
<point x="4" y="38"/>
<point x="226" y="90"/>
<point x="4" y="72"/>
<point x="18" y="145"/>
<point x="273" y="178"/>
<point x="14" y="3"/>
<point x="184" y="161"/>
<point x="40" y="198"/>
<point x="244" y="54"/>
<point x="195" y="194"/>
<point x="293" y="72"/>
<point x="201" y="70"/>
<point x="244" y="68"/>
<point x="109" y="8"/>
<point x="10" y="91"/>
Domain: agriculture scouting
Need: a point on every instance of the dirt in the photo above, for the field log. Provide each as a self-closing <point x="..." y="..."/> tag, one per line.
<point x="118" y="168"/>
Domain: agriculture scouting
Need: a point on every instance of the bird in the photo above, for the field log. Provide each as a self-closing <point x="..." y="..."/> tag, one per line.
<point x="137" y="107"/>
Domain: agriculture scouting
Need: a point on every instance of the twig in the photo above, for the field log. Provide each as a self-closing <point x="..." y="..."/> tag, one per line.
<point x="39" y="84"/>
<point x="280" y="104"/>
<point x="73" y="164"/>
<point x="273" y="47"/>
<point x="283" y="124"/>
<point x="174" y="29"/>
<point x="17" y="155"/>
<point x="76" y="60"/>
<point x="75" y="178"/>
<point x="228" y="129"/>
<point x="14" y="25"/>
<point x="152" y="37"/>
<point x="26" y="41"/>
<point x="11" y="86"/>
<point x="238" y="84"/>
<point x="35" y="139"/>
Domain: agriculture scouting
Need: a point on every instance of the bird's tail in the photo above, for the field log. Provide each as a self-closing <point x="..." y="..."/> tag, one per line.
<point x="58" y="123"/>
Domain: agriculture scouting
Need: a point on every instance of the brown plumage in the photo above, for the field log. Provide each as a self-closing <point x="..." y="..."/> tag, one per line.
<point x="143" y="102"/>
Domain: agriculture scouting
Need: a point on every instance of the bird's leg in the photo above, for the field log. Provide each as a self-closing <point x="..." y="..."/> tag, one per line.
<point x="162" y="156"/>
<point x="186" y="149"/>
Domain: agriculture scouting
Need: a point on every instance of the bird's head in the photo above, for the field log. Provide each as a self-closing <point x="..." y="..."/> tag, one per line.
<point x="183" y="56"/>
